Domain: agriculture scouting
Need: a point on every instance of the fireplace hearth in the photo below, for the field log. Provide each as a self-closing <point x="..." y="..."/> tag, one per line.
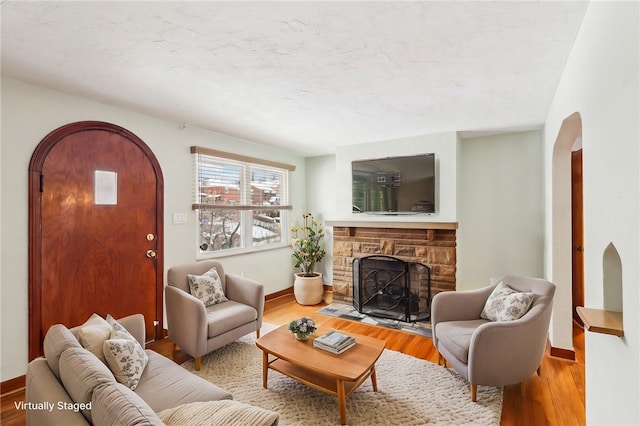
<point x="388" y="287"/>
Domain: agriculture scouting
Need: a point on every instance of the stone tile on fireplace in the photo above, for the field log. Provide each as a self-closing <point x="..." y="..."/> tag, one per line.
<point x="435" y="247"/>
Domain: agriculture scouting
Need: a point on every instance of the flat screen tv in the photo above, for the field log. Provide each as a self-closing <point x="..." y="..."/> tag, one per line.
<point x="394" y="185"/>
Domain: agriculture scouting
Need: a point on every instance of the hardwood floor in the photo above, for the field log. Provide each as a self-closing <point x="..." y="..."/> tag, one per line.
<point x="555" y="398"/>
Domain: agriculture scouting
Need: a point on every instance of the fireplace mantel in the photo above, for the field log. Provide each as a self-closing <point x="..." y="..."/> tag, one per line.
<point x="395" y="224"/>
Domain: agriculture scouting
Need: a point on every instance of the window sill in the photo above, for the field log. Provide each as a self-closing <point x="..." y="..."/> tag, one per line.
<point x="239" y="251"/>
<point x="601" y="321"/>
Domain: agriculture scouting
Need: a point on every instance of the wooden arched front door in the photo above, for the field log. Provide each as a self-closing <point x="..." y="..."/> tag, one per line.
<point x="95" y="229"/>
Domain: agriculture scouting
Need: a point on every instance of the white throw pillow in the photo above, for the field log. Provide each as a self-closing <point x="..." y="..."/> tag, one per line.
<point x="93" y="333"/>
<point x="506" y="304"/>
<point x="207" y="287"/>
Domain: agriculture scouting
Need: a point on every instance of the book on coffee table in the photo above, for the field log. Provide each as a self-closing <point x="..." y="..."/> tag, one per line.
<point x="334" y="342"/>
<point x="333" y="350"/>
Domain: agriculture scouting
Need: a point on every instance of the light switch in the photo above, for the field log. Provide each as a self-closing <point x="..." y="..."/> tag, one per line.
<point x="179" y="218"/>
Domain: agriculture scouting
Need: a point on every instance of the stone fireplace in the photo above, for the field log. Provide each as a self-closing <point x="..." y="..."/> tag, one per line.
<point x="429" y="243"/>
<point x="388" y="287"/>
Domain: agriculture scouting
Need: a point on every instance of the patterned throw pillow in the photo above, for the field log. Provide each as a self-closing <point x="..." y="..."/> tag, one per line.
<point x="117" y="330"/>
<point x="506" y="304"/>
<point x="124" y="355"/>
<point x="207" y="287"/>
<point x="126" y="360"/>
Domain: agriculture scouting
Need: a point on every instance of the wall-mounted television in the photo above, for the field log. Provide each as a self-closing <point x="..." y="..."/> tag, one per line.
<point x="394" y="185"/>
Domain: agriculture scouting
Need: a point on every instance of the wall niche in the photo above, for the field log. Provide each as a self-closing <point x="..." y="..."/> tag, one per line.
<point x="607" y="320"/>
<point x="612" y="279"/>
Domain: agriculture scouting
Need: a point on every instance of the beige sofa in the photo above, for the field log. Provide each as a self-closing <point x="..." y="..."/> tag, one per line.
<point x="72" y="386"/>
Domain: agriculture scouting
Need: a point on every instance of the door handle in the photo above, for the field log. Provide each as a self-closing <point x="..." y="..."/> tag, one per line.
<point x="151" y="254"/>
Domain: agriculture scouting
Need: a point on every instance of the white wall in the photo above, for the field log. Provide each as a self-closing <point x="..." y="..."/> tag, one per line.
<point x="320" y="196"/>
<point x="29" y="113"/>
<point x="443" y="145"/>
<point x="492" y="186"/>
<point x="500" y="208"/>
<point x="601" y="83"/>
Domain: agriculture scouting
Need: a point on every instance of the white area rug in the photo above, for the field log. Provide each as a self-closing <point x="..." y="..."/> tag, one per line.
<point x="411" y="391"/>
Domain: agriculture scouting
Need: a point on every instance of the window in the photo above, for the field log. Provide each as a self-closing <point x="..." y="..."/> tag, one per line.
<point x="241" y="203"/>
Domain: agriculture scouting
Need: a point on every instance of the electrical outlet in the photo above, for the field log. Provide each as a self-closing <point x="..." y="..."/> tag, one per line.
<point x="179" y="218"/>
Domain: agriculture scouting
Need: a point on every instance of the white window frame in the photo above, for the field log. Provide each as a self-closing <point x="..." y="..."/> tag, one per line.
<point x="244" y="207"/>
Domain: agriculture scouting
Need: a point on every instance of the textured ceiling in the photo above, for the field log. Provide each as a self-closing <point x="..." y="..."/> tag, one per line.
<point x="305" y="76"/>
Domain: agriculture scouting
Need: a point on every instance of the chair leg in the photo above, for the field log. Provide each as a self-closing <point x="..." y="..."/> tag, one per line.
<point x="442" y="361"/>
<point x="198" y="361"/>
<point x="474" y="392"/>
<point x="173" y="351"/>
<point x="257" y="333"/>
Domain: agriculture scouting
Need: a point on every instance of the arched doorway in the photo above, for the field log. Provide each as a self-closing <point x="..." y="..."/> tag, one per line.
<point x="95" y="229"/>
<point x="562" y="235"/>
<point x="577" y="231"/>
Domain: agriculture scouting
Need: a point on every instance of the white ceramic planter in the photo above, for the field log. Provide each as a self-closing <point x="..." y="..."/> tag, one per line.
<point x="308" y="290"/>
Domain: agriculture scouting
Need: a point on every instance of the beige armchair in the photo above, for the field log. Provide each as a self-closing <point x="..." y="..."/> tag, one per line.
<point x="492" y="353"/>
<point x="198" y="329"/>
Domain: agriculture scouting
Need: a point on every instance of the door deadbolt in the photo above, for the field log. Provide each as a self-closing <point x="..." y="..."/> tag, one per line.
<point x="151" y="254"/>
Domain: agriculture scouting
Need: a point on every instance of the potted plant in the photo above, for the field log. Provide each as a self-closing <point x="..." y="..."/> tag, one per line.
<point x="302" y="328"/>
<point x="306" y="244"/>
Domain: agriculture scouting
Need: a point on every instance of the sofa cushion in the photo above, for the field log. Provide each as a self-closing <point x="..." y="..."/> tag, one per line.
<point x="93" y="333"/>
<point x="506" y="304"/>
<point x="207" y="287"/>
<point x="456" y="336"/>
<point x="227" y="316"/>
<point x="218" y="413"/>
<point x="81" y="372"/>
<point x="165" y="384"/>
<point x="116" y="404"/>
<point x="42" y="386"/>
<point x="57" y="340"/>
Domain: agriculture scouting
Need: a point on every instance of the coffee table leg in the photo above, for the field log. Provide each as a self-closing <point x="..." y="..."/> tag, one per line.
<point x="342" y="402"/>
<point x="265" y="368"/>
<point x="374" y="381"/>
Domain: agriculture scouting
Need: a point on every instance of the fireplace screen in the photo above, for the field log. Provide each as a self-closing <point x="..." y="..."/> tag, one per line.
<point x="388" y="287"/>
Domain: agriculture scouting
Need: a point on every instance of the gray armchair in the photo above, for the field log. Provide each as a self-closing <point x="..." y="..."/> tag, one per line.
<point x="488" y="352"/>
<point x="200" y="329"/>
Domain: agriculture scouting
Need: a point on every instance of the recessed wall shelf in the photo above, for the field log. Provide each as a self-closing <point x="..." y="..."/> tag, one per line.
<point x="601" y="321"/>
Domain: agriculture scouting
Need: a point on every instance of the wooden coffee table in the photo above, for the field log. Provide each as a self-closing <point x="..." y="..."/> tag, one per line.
<point x="337" y="375"/>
